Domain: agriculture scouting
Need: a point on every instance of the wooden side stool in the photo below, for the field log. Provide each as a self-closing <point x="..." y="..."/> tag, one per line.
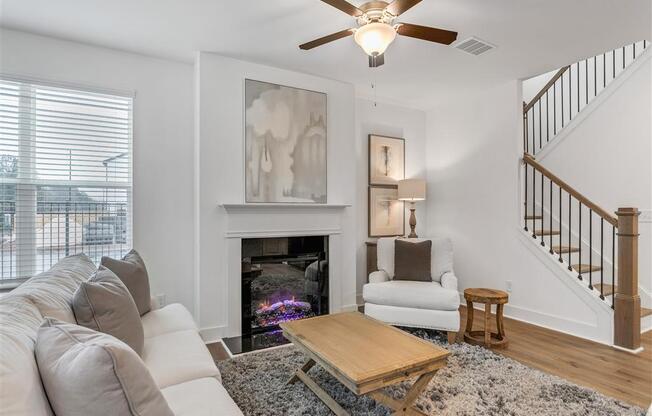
<point x="488" y="297"/>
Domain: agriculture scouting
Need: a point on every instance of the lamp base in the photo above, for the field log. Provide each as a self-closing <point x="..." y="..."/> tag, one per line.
<point x="413" y="222"/>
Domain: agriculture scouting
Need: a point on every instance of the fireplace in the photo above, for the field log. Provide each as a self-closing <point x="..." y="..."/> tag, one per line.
<point x="282" y="279"/>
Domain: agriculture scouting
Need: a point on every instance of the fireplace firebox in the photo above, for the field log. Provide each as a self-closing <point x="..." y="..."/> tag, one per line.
<point x="282" y="279"/>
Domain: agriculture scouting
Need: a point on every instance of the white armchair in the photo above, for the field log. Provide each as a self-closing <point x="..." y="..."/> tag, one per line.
<point x="433" y="305"/>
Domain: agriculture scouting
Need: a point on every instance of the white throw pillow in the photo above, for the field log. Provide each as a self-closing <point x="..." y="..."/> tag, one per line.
<point x="88" y="373"/>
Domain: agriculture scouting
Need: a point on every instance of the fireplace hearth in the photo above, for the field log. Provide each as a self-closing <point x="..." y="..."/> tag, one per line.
<point x="282" y="279"/>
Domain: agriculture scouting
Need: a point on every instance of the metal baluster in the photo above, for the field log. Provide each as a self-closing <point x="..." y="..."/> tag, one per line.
<point x="534" y="148"/>
<point x="562" y="100"/>
<point x="570" y="223"/>
<point x="579" y="241"/>
<point x="550" y="211"/>
<point x="613" y="265"/>
<point x="525" y="218"/>
<point x="547" y="118"/>
<point x="534" y="205"/>
<point x="525" y="135"/>
<point x="595" y="76"/>
<point x="613" y="58"/>
<point x="570" y="93"/>
<point x="623" y="57"/>
<point x="604" y="70"/>
<point x="590" y="248"/>
<point x="561" y="237"/>
<point x="540" y="135"/>
<point x="634" y="50"/>
<point x="554" y="106"/>
<point x="542" y="216"/>
<point x="586" y="70"/>
<point x="601" y="258"/>
<point x="578" y="87"/>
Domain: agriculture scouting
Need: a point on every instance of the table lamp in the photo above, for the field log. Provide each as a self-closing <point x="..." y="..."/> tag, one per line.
<point x="412" y="190"/>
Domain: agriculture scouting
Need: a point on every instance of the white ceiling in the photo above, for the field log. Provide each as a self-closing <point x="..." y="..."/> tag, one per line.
<point x="533" y="36"/>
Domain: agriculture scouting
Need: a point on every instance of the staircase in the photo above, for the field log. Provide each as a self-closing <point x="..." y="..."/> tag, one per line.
<point x="598" y="249"/>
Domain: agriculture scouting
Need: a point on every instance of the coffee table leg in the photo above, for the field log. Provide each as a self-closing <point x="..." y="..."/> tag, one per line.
<point x="304" y="368"/>
<point x="319" y="392"/>
<point x="404" y="407"/>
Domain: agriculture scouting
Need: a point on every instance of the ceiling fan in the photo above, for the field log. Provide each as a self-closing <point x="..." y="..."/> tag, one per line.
<point x="377" y="28"/>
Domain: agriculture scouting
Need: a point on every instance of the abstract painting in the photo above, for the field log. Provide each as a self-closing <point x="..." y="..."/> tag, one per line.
<point x="386" y="160"/>
<point x="386" y="212"/>
<point x="285" y="144"/>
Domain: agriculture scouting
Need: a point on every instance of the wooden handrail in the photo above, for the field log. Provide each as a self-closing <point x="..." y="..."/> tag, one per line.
<point x="529" y="159"/>
<point x="545" y="88"/>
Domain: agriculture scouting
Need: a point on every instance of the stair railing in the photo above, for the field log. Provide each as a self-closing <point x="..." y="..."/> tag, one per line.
<point x="571" y="89"/>
<point x="550" y="205"/>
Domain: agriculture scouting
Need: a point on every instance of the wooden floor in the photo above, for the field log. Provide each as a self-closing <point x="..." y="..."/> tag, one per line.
<point x="618" y="374"/>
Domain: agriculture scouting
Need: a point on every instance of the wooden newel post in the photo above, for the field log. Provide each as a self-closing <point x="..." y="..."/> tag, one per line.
<point x="627" y="302"/>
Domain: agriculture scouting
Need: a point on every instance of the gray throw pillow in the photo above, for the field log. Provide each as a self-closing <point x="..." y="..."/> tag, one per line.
<point x="412" y="260"/>
<point x="92" y="374"/>
<point x="104" y="304"/>
<point x="131" y="270"/>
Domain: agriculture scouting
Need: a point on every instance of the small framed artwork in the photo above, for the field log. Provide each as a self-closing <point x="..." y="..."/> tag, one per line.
<point x="386" y="160"/>
<point x="386" y="212"/>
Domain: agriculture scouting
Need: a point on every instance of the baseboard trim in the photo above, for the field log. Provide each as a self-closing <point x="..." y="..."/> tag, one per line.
<point x="636" y="351"/>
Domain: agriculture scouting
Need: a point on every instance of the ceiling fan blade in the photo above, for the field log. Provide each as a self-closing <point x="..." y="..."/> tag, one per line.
<point x="345" y="6"/>
<point x="431" y="34"/>
<point x="376" y="61"/>
<point x="328" y="38"/>
<point x="398" y="7"/>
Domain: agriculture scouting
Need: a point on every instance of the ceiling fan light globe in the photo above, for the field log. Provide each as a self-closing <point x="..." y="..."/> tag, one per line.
<point x="374" y="38"/>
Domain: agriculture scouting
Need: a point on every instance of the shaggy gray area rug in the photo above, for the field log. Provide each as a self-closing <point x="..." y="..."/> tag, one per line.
<point x="476" y="381"/>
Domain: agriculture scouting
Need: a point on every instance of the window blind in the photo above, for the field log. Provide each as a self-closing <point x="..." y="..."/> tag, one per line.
<point x="65" y="176"/>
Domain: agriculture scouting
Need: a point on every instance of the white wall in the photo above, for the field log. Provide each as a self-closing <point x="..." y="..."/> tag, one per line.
<point x="162" y="149"/>
<point x="473" y="153"/>
<point x="394" y="121"/>
<point x="219" y="173"/>
<point x="607" y="154"/>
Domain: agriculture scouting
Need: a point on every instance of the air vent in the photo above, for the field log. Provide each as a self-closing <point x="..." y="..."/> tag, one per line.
<point x="474" y="46"/>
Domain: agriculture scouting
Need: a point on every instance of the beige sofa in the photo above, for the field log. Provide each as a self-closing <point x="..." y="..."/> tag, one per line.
<point x="174" y="352"/>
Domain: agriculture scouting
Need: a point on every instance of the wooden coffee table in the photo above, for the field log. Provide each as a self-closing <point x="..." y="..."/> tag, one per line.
<point x="365" y="355"/>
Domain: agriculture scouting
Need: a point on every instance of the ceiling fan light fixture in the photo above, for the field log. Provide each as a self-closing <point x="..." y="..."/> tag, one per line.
<point x="374" y="38"/>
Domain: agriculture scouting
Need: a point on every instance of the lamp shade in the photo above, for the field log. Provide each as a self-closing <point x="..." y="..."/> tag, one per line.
<point x="412" y="190"/>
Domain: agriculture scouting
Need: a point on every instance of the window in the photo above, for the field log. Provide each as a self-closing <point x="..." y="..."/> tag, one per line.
<point x="65" y="176"/>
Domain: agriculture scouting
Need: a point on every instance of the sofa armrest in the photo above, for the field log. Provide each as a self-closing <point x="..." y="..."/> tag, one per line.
<point x="153" y="303"/>
<point x="378" y="276"/>
<point x="449" y="281"/>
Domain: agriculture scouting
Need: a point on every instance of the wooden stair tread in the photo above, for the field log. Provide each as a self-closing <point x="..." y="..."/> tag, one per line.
<point x="584" y="268"/>
<point x="607" y="289"/>
<point x="565" y="249"/>
<point x="546" y="232"/>
<point x="645" y="312"/>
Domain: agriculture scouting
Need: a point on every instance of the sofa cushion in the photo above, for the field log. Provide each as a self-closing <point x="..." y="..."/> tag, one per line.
<point x="131" y="270"/>
<point x="409" y="294"/>
<point x="104" y="304"/>
<point x="21" y="390"/>
<point x="441" y="257"/>
<point x="178" y="357"/>
<point x="412" y="260"/>
<point x="200" y="397"/>
<point x="170" y="318"/>
<point x="85" y="372"/>
<point x="52" y="290"/>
